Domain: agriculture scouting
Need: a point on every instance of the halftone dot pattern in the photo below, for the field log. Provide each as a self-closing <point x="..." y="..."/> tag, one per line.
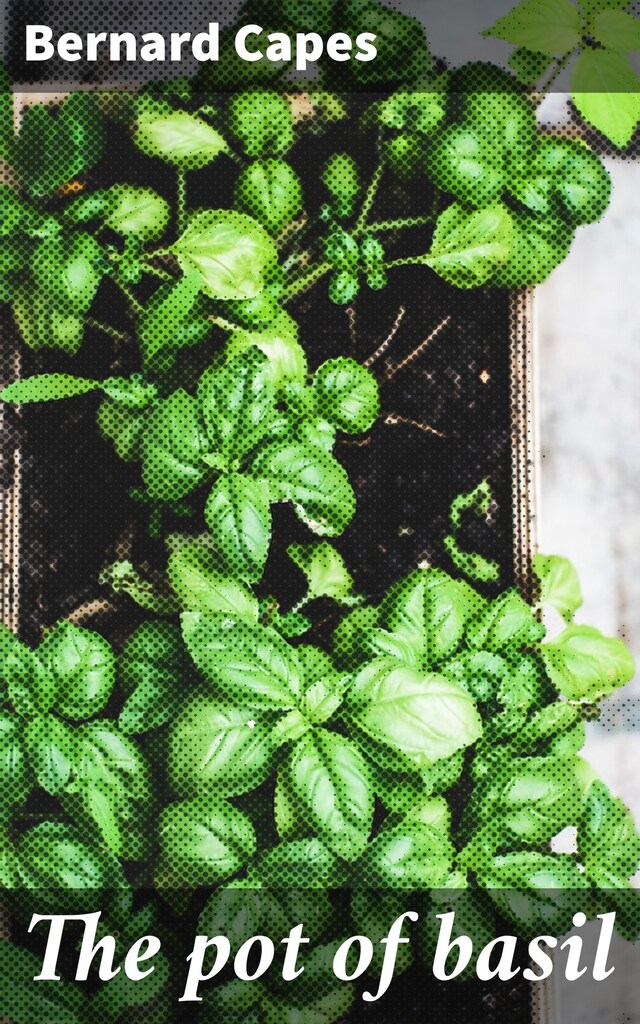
<point x="269" y="383"/>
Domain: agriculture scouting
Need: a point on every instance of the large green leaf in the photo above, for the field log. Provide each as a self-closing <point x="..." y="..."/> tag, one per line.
<point x="151" y="670"/>
<point x="616" y="30"/>
<point x="263" y="122"/>
<point x="606" y="91"/>
<point x="408" y="856"/>
<point x="173" y="446"/>
<point x="538" y="245"/>
<point x="239" y="517"/>
<point x="271" y="192"/>
<point x="329" y="785"/>
<point x="423" y="717"/>
<point x="54" y="856"/>
<point x="23" y="1002"/>
<point x="430" y="611"/>
<point x="31" y="688"/>
<point x="551" y="27"/>
<point x="203" y="841"/>
<point x="238" y="403"/>
<point x="539" y="798"/>
<point x="137" y="211"/>
<point x="315" y="482"/>
<point x="46" y="387"/>
<point x="508" y="620"/>
<point x="196" y="575"/>
<point x="110" y="785"/>
<point x="584" y="665"/>
<point x="222" y="749"/>
<point x="279" y="343"/>
<point x="51" y="148"/>
<point x="469" y="246"/>
<point x="163" y="321"/>
<point x="50" y="748"/>
<point x="347" y="395"/>
<point x="467" y="164"/>
<point x="231" y="253"/>
<point x="177" y="137"/>
<point x="608" y="840"/>
<point x="325" y="571"/>
<point x="252" y="665"/>
<point x="299" y="864"/>
<point x="83" y="665"/>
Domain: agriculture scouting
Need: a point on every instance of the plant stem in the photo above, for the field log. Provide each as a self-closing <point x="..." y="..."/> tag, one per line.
<point x="408" y="261"/>
<point x="306" y="281"/>
<point x="126" y="290"/>
<point x="370" y="198"/>
<point x="299" y="605"/>
<point x="560" y="65"/>
<point x="113" y="332"/>
<point x="220" y="321"/>
<point x="163" y="275"/>
<point x="397" y="225"/>
<point x="181" y="209"/>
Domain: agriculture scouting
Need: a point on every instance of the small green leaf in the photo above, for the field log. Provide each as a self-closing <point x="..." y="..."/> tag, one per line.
<point x="508" y="620"/>
<point x="238" y="403"/>
<point x="83" y="666"/>
<point x="54" y="857"/>
<point x="584" y="665"/>
<point x="203" y="841"/>
<point x="45" y="387"/>
<point x="263" y="122"/>
<point x="279" y="343"/>
<point x="409" y="856"/>
<point x="315" y="482"/>
<point x="137" y="211"/>
<point x="50" y="748"/>
<point x="161" y="324"/>
<point x="617" y="30"/>
<point x="551" y="27"/>
<point x="466" y="163"/>
<point x="528" y="66"/>
<point x="608" y="840"/>
<point x="468" y="247"/>
<point x="231" y="253"/>
<point x="196" y="575"/>
<point x="271" y="192"/>
<point x="329" y="785"/>
<point x="31" y="687"/>
<point x="177" y="137"/>
<point x="324" y="569"/>
<point x="221" y="749"/>
<point x="151" y="670"/>
<point x="52" y="149"/>
<point x="173" y="446"/>
<point x="559" y="584"/>
<point x="252" y="665"/>
<point x="606" y="91"/>
<point x="540" y="797"/>
<point x="239" y="517"/>
<point x="341" y="178"/>
<point x="423" y="717"/>
<point x="347" y="395"/>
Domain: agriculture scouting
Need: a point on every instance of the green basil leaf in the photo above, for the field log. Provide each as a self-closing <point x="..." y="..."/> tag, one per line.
<point x="300" y="864"/>
<point x="344" y="288"/>
<point x="252" y="665"/>
<point x="401" y="43"/>
<point x="110" y="785"/>
<point x="52" y="148"/>
<point x="271" y="192"/>
<point x="352" y="637"/>
<point x="480" y="672"/>
<point x="315" y="482"/>
<point x="162" y="322"/>
<point x="407" y="856"/>
<point x="324" y="569"/>
<point x="45" y="387"/>
<point x="50" y="748"/>
<point x="551" y="27"/>
<point x="221" y="749"/>
<point x="151" y="670"/>
<point x="616" y="30"/>
<point x="329" y="785"/>
<point x="528" y="66"/>
<point x="202" y="586"/>
<point x="231" y="253"/>
<point x="54" y="857"/>
<point x="31" y="687"/>
<point x="541" y="796"/>
<point x="608" y="840"/>
<point x="347" y="395"/>
<point x="22" y="1002"/>
<point x="467" y="164"/>
<point x="263" y="122"/>
<point x="173" y="446"/>
<point x="584" y="665"/>
<point x="137" y="211"/>
<point x="83" y="665"/>
<point x="468" y="247"/>
<point x="538" y="245"/>
<point x="239" y="517"/>
<point x="177" y="137"/>
<point x="508" y="620"/>
<point x="606" y="91"/>
<point x="279" y="343"/>
<point x="203" y="841"/>
<point x="559" y="584"/>
<point x="424" y="718"/>
<point x="430" y="611"/>
<point x="341" y="178"/>
<point x="14" y="771"/>
<point x="538" y="892"/>
<point x="238" y="403"/>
